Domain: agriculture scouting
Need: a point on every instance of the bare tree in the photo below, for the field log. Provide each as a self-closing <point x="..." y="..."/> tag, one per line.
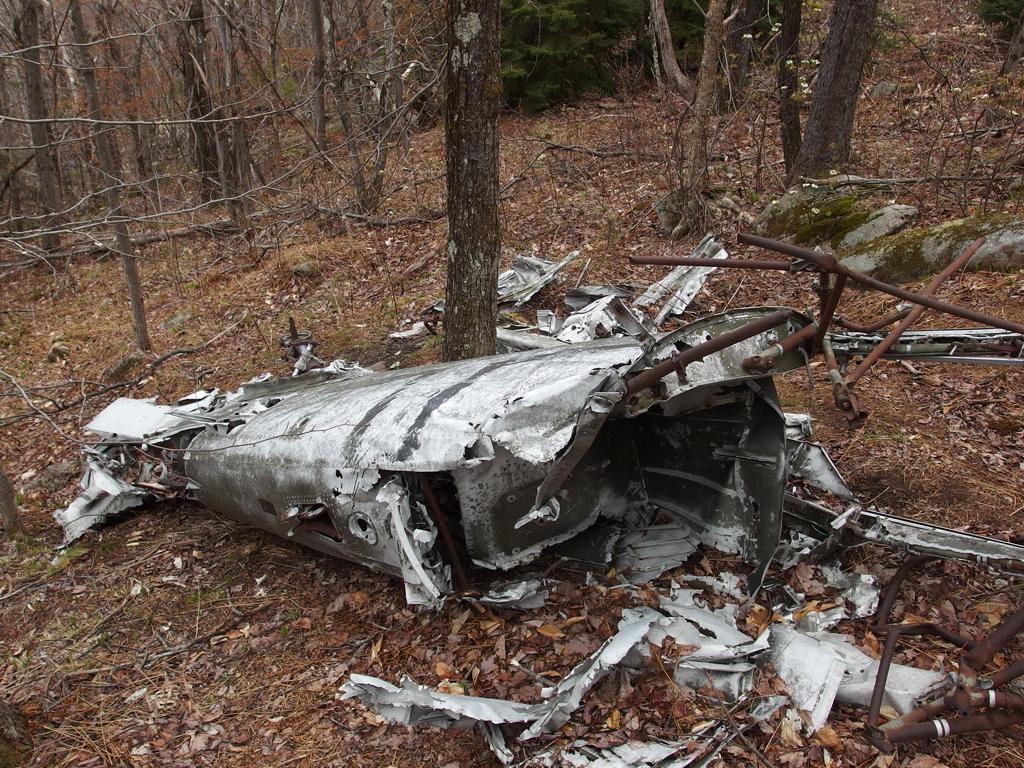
<point x="826" y="140"/>
<point x="27" y="30"/>
<point x="471" y="142"/>
<point x="788" y="49"/>
<point x="665" y="53"/>
<point x="199" y="107"/>
<point x="9" y="510"/>
<point x="316" y="22"/>
<point x="110" y="165"/>
<point x="690" y="198"/>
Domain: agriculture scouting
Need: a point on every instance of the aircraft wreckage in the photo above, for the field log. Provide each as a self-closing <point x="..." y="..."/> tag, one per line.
<point x="629" y="449"/>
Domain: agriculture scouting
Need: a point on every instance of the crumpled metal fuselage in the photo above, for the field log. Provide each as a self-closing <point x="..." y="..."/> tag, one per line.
<point x="536" y="447"/>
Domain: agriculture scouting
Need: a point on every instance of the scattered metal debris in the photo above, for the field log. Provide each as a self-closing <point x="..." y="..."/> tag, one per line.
<point x="683" y="282"/>
<point x="609" y="442"/>
<point x="527" y="275"/>
<point x="525" y="595"/>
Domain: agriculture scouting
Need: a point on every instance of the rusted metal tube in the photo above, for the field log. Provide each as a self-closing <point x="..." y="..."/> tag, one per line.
<point x="982" y="653"/>
<point x="829" y="264"/>
<point x="929" y="290"/>
<point x="828" y="309"/>
<point x="691" y="261"/>
<point x="844" y="399"/>
<point x="437" y="515"/>
<point x="892" y="591"/>
<point x="767" y="358"/>
<point x="1007" y="675"/>
<point x="878" y="325"/>
<point x="679" y="361"/>
<point x="995" y="720"/>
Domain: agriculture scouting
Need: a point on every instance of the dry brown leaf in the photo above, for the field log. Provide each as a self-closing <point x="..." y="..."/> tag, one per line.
<point x="443" y="670"/>
<point x="613" y="720"/>
<point x="827" y="736"/>
<point x="550" y="630"/>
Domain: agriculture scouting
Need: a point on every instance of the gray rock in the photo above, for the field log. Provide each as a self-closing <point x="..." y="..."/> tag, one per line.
<point x="176" y="321"/>
<point x="58" y="351"/>
<point x="883" y="89"/>
<point x="884" y="221"/>
<point x="915" y="254"/>
<point x="54" y="477"/>
<point x="302" y="269"/>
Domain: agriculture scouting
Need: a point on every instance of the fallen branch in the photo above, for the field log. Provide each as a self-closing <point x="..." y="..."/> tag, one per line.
<point x="220" y="226"/>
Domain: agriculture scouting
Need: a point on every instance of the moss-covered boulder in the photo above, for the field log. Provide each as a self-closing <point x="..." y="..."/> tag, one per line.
<point x="830" y="214"/>
<point x="916" y="254"/>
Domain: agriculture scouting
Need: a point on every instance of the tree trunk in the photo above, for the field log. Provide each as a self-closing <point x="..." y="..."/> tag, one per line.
<point x="192" y="47"/>
<point x="679" y="82"/>
<point x="27" y="29"/>
<point x="826" y="141"/>
<point x="739" y="46"/>
<point x="316" y="22"/>
<point x="10" y="166"/>
<point x="110" y="165"/>
<point x="142" y="135"/>
<point x="471" y="142"/>
<point x="232" y="138"/>
<point x="691" y="202"/>
<point x="789" y="66"/>
<point x="15" y="739"/>
<point x="9" y="510"/>
<point x="1015" y="51"/>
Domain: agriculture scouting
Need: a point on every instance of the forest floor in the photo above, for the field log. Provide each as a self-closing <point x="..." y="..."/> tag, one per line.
<point x="175" y="637"/>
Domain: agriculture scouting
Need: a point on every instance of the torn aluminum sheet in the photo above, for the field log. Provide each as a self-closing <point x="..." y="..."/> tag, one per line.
<point x="548" y="322"/>
<point x="712" y="634"/>
<point x="579" y="297"/>
<point x="416" y="329"/>
<point x="103" y="494"/>
<point x="812" y="673"/>
<point x="602" y="319"/>
<point x="563" y="699"/>
<point x="526" y="595"/>
<point x="527" y="275"/>
<point x="904" y="688"/>
<point x="860" y="590"/>
<point x="414" y="704"/>
<point x="946" y="345"/>
<point x="643" y="554"/>
<point x="131" y="420"/>
<point x="698" y="750"/>
<point x="522" y="339"/>
<point x="726" y="583"/>
<point x="682" y="283"/>
<point x="818" y="621"/>
<point x="822" y="668"/>
<point x="732" y="681"/>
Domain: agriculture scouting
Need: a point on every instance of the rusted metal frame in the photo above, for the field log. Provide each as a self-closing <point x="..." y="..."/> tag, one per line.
<point x="769" y="357"/>
<point x="992" y="720"/>
<point x="441" y="522"/>
<point x="971" y="691"/>
<point x="874" y="327"/>
<point x="830" y="264"/>
<point x="679" y="361"/>
<point x="894" y="335"/>
<point x="692" y="261"/>
<point x="844" y="398"/>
